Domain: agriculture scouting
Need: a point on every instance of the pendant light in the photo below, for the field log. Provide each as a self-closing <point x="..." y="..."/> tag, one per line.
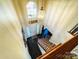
<point x="42" y="7"/>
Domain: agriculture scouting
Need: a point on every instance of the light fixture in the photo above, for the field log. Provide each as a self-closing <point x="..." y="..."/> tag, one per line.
<point x="42" y="7"/>
<point x="42" y="11"/>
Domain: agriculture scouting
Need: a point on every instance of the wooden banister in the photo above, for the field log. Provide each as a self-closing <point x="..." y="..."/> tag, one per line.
<point x="49" y="50"/>
<point x="61" y="49"/>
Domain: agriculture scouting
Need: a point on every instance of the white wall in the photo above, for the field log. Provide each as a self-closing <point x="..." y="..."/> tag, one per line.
<point x="32" y="29"/>
<point x="61" y="16"/>
<point x="11" y="42"/>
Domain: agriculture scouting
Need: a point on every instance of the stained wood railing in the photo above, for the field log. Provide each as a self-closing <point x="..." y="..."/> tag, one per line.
<point x="59" y="50"/>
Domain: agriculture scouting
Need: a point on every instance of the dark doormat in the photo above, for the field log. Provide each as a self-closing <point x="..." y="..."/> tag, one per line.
<point x="33" y="48"/>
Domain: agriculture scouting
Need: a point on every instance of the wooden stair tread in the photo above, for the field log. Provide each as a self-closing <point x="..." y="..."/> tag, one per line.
<point x="45" y="44"/>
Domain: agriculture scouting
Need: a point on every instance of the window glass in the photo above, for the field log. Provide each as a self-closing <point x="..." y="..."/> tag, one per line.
<point x="31" y="9"/>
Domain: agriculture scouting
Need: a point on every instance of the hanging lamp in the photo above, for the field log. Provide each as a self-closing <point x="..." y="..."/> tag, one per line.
<point x="42" y="7"/>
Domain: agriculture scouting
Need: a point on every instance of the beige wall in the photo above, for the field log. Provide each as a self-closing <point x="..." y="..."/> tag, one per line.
<point x="11" y="42"/>
<point x="19" y="6"/>
<point x="61" y="16"/>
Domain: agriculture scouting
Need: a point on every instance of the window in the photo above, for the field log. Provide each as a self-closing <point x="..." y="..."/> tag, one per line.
<point x="31" y="9"/>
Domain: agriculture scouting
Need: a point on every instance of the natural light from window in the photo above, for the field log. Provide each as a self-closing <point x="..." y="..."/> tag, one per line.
<point x="31" y="10"/>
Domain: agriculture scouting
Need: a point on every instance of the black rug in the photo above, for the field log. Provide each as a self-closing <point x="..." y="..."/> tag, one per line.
<point x="33" y="48"/>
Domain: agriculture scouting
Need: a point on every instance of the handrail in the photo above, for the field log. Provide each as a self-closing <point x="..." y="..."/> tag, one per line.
<point x="49" y="50"/>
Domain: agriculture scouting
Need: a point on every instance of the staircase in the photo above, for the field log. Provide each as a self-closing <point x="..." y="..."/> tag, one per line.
<point x="59" y="50"/>
<point x="45" y="44"/>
